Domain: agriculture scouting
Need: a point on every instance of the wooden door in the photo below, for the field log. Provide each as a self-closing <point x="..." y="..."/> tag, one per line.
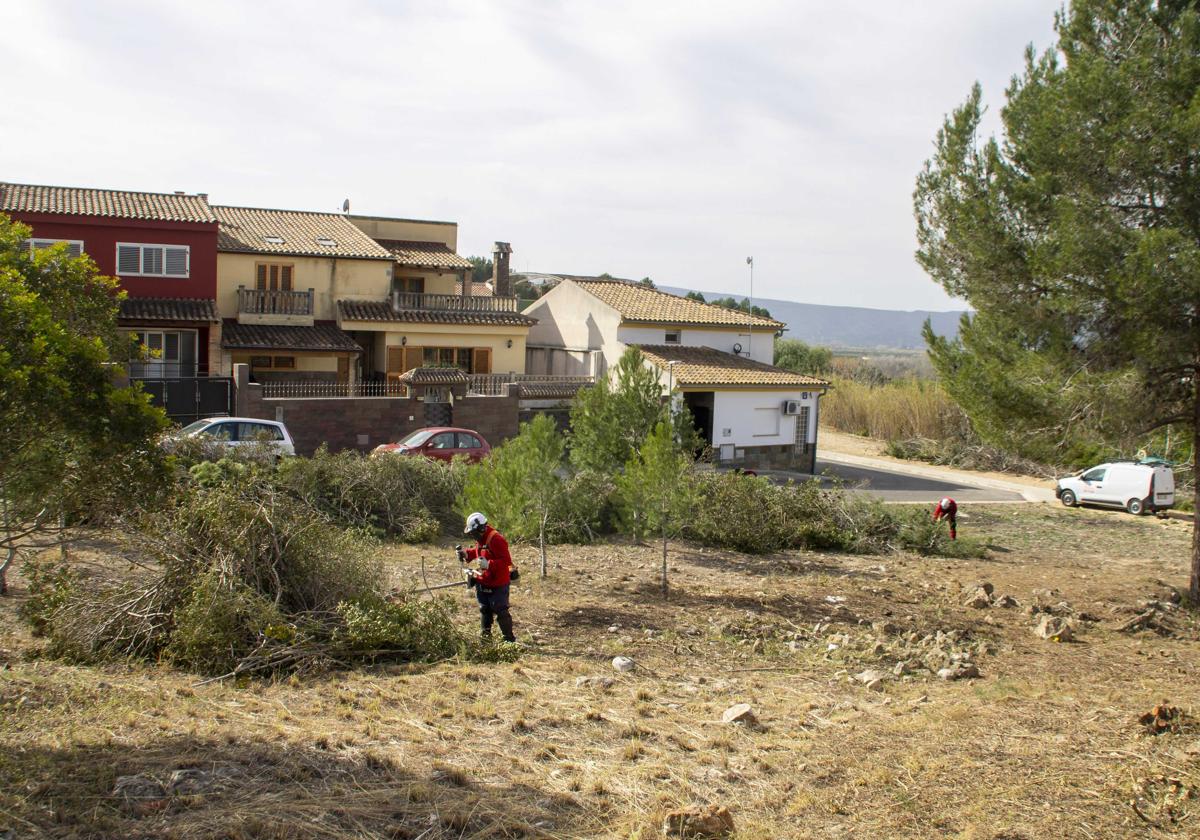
<point x="413" y="358"/>
<point x="395" y="360"/>
<point x="483" y="360"/>
<point x="343" y="373"/>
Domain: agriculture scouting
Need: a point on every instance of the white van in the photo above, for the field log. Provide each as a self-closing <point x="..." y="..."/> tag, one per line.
<point x="1137" y="487"/>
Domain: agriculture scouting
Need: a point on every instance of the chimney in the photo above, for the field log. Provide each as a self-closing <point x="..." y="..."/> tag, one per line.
<point x="501" y="282"/>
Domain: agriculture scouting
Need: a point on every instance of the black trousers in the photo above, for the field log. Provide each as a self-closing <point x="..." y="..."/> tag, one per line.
<point x="493" y="606"/>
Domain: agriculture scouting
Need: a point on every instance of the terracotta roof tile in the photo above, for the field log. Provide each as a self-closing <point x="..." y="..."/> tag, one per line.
<point x="235" y="336"/>
<point x="642" y="304"/>
<point x="381" y="310"/>
<point x="168" y="309"/>
<point x="293" y="232"/>
<point x="553" y="389"/>
<point x="434" y="376"/>
<point x="696" y="366"/>
<point x="117" y="204"/>
<point x="477" y="289"/>
<point x="423" y="254"/>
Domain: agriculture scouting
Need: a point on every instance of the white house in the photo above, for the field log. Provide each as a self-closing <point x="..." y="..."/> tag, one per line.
<point x="717" y="361"/>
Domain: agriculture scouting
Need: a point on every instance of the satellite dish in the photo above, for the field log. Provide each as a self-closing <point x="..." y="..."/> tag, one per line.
<point x="737" y="349"/>
<point x="346" y="206"/>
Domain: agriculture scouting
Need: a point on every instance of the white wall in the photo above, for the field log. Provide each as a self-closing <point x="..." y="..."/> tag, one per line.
<point x="744" y="414"/>
<point x="571" y="318"/>
<point x="763" y="345"/>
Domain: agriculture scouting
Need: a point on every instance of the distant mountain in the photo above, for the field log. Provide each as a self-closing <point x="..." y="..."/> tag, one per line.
<point x="849" y="326"/>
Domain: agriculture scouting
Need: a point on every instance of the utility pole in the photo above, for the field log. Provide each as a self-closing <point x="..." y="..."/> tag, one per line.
<point x="750" y="340"/>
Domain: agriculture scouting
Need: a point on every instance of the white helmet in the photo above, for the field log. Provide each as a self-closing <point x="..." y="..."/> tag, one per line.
<point x="946" y="503"/>
<point x="475" y="522"/>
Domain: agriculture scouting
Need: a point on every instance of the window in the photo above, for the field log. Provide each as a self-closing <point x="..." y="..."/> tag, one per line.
<point x="766" y="422"/>
<point x="260" y="361"/>
<point x="802" y="431"/>
<point x="444" y="440"/>
<point x="273" y="276"/>
<point x="673" y="337"/>
<point x="258" y="431"/>
<point x="326" y="242"/>
<point x="153" y="260"/>
<point x="273" y="239"/>
<point x="287" y="362"/>
<point x="74" y="246"/>
<point x="409" y="285"/>
<point x="222" y="431"/>
<point x="466" y="441"/>
<point x="1095" y="475"/>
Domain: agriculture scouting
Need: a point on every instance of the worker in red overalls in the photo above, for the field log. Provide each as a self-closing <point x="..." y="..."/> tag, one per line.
<point x="947" y="509"/>
<point x="493" y="576"/>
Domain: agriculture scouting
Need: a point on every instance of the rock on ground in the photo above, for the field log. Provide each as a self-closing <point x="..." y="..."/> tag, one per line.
<point x="622" y="664"/>
<point x="1054" y="629"/>
<point x="711" y="823"/>
<point x="740" y="713"/>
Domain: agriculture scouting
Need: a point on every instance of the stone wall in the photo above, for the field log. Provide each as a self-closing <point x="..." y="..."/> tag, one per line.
<point x="362" y="423"/>
<point x="776" y="458"/>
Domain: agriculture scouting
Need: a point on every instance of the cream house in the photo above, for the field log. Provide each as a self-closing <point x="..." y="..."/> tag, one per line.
<point x="336" y="298"/>
<point x="715" y="361"/>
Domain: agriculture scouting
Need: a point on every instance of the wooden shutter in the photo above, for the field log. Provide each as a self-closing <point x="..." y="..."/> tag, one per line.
<point x="343" y="374"/>
<point x="483" y="360"/>
<point x="285" y="277"/>
<point x="260" y="276"/>
<point x="395" y="360"/>
<point x="413" y="358"/>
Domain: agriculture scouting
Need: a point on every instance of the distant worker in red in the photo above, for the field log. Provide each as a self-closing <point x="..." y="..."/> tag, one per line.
<point x="947" y="509"/>
<point x="493" y="576"/>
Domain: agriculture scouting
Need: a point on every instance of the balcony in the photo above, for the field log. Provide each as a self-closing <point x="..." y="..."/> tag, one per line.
<point x="407" y="301"/>
<point x="275" y="306"/>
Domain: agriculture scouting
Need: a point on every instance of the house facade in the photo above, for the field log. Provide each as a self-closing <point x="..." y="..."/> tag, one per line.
<point x="715" y="361"/>
<point x="162" y="247"/>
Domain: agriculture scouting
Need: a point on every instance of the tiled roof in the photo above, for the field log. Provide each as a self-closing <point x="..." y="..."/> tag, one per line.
<point x="235" y="336"/>
<point x="477" y="289"/>
<point x="706" y="366"/>
<point x="381" y="310"/>
<point x="434" y="376"/>
<point x="293" y="232"/>
<point x="423" y="254"/>
<point x="168" y="309"/>
<point x="553" y="389"/>
<point x="645" y="305"/>
<point x="117" y="204"/>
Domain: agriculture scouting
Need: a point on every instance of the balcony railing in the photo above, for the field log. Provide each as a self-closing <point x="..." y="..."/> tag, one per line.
<point x="402" y="301"/>
<point x="496" y="384"/>
<point x="274" y="302"/>
<point x="480" y="385"/>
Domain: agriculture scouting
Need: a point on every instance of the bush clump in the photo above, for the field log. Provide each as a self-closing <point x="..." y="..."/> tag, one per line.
<point x="410" y="499"/>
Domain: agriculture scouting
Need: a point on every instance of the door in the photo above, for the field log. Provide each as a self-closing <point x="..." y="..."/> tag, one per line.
<point x="1091" y="487"/>
<point x="343" y="372"/>
<point x="412" y="358"/>
<point x="470" y="446"/>
<point x="442" y="446"/>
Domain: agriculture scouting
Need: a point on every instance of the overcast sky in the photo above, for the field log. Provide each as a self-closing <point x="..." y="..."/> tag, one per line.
<point x="669" y="139"/>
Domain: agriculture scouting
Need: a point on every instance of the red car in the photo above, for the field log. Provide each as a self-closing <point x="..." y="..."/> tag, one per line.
<point x="441" y="442"/>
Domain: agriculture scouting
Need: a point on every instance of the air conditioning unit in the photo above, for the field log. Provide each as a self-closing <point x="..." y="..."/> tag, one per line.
<point x="791" y="406"/>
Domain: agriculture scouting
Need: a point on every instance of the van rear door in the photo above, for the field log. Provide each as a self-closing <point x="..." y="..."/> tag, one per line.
<point x="1164" y="487"/>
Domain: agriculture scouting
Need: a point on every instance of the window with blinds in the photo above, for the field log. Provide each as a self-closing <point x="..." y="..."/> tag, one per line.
<point x="74" y="246"/>
<point x="153" y="260"/>
<point x="276" y="276"/>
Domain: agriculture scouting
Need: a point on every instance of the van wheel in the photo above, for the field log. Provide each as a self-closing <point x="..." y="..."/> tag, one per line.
<point x="1135" y="507"/>
<point x="1068" y="498"/>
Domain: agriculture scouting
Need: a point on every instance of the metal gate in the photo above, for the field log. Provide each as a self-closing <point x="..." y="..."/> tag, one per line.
<point x="192" y="398"/>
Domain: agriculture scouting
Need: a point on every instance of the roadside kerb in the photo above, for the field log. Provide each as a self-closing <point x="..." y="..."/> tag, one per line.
<point x="1027" y="492"/>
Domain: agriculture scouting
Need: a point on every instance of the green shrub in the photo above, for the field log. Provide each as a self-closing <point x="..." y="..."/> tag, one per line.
<point x="411" y="499"/>
<point x="220" y="623"/>
<point x="50" y="585"/>
<point x="409" y="629"/>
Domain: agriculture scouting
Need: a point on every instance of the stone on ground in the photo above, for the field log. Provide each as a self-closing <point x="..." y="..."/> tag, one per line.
<point x="740" y="713"/>
<point x="711" y="823"/>
<point x="1054" y="629"/>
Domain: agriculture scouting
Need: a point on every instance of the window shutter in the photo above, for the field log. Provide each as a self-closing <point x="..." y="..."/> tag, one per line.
<point x="285" y="277"/>
<point x="75" y="249"/>
<point x="129" y="259"/>
<point x="414" y="357"/>
<point x="152" y="259"/>
<point x="395" y="360"/>
<point x="260" y="276"/>
<point x="483" y="360"/>
<point x="176" y="262"/>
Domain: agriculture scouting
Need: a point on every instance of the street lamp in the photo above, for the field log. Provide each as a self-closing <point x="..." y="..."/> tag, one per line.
<point x="750" y="340"/>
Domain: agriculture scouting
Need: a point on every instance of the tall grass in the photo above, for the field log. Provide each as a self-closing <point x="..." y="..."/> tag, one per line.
<point x="896" y="410"/>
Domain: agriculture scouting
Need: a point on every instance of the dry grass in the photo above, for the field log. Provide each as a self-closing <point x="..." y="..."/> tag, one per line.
<point x="1045" y="744"/>
<point x="898" y="410"/>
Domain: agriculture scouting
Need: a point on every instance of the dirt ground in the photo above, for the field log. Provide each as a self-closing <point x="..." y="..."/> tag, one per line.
<point x="1045" y="742"/>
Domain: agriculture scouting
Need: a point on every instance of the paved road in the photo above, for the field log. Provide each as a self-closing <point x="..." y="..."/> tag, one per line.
<point x="904" y="487"/>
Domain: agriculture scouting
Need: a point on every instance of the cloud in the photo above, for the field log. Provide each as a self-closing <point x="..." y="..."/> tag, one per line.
<point x="666" y="139"/>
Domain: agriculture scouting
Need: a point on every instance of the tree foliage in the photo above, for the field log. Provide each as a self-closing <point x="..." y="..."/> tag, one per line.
<point x="793" y="354"/>
<point x="742" y="305"/>
<point x="696" y="296"/>
<point x="656" y="489"/>
<point x="77" y="444"/>
<point x="481" y="269"/>
<point x="610" y="421"/>
<point x="1076" y="238"/>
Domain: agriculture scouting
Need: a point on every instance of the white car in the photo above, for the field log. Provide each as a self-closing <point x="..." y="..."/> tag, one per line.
<point x="242" y="431"/>
<point x="1136" y="486"/>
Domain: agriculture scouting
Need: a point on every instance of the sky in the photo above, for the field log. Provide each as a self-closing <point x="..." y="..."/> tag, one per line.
<point x="662" y="139"/>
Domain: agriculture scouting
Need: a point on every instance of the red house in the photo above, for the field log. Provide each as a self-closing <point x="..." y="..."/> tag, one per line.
<point x="163" y="249"/>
